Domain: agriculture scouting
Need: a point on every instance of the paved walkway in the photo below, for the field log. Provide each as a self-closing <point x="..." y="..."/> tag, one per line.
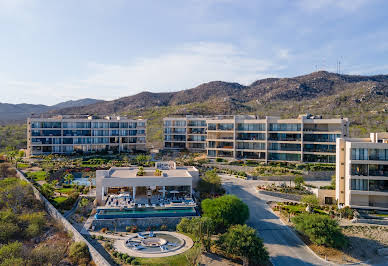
<point x="284" y="246"/>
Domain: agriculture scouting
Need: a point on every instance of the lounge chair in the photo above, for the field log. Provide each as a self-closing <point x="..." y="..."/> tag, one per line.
<point x="163" y="248"/>
<point x="151" y="234"/>
<point x="154" y="205"/>
<point x="147" y="206"/>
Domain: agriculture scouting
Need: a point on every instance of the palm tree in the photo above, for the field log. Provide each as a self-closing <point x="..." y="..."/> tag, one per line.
<point x="68" y="178"/>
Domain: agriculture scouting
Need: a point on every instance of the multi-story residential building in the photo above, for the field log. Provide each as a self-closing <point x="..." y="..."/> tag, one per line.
<point x="188" y="132"/>
<point x="305" y="139"/>
<point x="72" y="134"/>
<point x="362" y="172"/>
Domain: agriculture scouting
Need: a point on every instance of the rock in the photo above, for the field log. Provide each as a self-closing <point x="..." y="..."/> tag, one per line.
<point x="382" y="252"/>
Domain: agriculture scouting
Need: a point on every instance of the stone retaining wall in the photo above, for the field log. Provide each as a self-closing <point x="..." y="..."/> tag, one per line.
<point x="140" y="223"/>
<point x="53" y="212"/>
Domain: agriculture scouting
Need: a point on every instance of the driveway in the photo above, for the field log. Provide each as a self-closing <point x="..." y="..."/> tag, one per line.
<point x="284" y="247"/>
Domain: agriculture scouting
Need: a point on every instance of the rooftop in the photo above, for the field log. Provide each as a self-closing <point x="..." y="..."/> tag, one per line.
<point x="131" y="172"/>
<point x="86" y="117"/>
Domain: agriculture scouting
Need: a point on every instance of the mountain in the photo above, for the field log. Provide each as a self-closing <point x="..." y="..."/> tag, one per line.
<point x="19" y="112"/>
<point x="363" y="99"/>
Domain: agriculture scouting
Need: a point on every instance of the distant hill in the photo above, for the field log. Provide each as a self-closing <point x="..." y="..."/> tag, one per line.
<point x="363" y="99"/>
<point x="19" y="112"/>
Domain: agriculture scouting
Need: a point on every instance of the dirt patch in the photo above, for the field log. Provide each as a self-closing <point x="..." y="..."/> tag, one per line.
<point x="215" y="260"/>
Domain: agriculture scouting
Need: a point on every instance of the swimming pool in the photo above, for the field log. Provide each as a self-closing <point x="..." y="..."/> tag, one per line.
<point x="83" y="181"/>
<point x="145" y="212"/>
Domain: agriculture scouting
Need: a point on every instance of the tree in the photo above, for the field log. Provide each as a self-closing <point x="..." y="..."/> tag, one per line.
<point x="299" y="181"/>
<point x="11" y="153"/>
<point x="211" y="183"/>
<point x="242" y="241"/>
<point x="310" y="200"/>
<point x="21" y="153"/>
<point x="47" y="190"/>
<point x="79" y="253"/>
<point x="225" y="211"/>
<point x="321" y="229"/>
<point x="68" y="178"/>
<point x="11" y="253"/>
<point x="143" y="159"/>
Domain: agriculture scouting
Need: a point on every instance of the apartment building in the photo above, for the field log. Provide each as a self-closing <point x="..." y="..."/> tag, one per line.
<point x="185" y="132"/>
<point x="362" y="172"/>
<point x="304" y="139"/>
<point x="86" y="134"/>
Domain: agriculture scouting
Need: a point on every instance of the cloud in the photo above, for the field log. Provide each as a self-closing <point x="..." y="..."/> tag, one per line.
<point x="182" y="68"/>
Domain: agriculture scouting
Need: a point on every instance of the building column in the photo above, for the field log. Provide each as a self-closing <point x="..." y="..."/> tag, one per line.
<point x="164" y="192"/>
<point x="133" y="192"/>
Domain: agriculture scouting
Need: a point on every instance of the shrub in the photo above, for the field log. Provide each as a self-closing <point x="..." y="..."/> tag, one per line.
<point x="79" y="253"/>
<point x="299" y="181"/>
<point x="10" y="251"/>
<point x="163" y="227"/>
<point x="242" y="241"/>
<point x="321" y="229"/>
<point x="225" y="211"/>
<point x="311" y="200"/>
<point x="346" y="212"/>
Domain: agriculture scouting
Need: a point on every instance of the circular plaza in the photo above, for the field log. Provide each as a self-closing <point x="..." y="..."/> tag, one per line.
<point x="153" y="244"/>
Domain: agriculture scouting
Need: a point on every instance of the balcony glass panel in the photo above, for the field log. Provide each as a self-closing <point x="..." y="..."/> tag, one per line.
<point x="212" y="126"/>
<point x="321" y="137"/>
<point x="283" y="157"/>
<point x="250" y="146"/>
<point x="114" y="124"/>
<point x="197" y="123"/>
<point x="251" y="136"/>
<point x="180" y="123"/>
<point x="77" y="132"/>
<point x="284" y="137"/>
<point x="225" y="126"/>
<point x="318" y="158"/>
<point x="319" y="148"/>
<point x="251" y="155"/>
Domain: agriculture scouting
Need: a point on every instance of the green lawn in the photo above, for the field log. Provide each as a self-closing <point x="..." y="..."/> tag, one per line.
<point x="177" y="260"/>
<point x="381" y="214"/>
<point x="65" y="190"/>
<point x="59" y="200"/>
<point x="37" y="176"/>
<point x="23" y="165"/>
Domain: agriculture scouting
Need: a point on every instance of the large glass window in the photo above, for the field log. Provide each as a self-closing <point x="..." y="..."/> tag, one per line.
<point x="284" y="127"/>
<point x="250" y="127"/>
<point x="250" y="146"/>
<point x="284" y="147"/>
<point x="212" y="126"/>
<point x="377" y="155"/>
<point x="180" y="123"/>
<point x="359" y="184"/>
<point x="359" y="169"/>
<point x="359" y="154"/>
<point x="378" y="170"/>
<point x="197" y="123"/>
<point x="318" y="158"/>
<point x="167" y="124"/>
<point x="378" y="185"/>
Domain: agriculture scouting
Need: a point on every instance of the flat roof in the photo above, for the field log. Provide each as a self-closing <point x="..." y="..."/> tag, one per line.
<point x="130" y="172"/>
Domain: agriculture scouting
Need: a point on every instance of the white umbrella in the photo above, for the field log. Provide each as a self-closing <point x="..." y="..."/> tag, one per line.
<point x="174" y="191"/>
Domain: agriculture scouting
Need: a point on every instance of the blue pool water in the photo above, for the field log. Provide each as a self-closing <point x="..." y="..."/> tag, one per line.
<point x="146" y="212"/>
<point x="83" y="181"/>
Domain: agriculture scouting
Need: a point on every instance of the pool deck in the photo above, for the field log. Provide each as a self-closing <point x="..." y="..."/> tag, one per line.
<point x="119" y="244"/>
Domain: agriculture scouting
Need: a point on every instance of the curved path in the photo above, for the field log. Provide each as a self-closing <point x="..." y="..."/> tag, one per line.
<point x="283" y="245"/>
<point x="121" y="247"/>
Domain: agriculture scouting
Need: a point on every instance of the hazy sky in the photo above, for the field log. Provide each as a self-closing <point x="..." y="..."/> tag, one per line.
<point x="51" y="51"/>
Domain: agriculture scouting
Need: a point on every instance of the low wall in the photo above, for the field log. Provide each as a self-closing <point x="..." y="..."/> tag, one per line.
<point x="371" y="221"/>
<point x="141" y="223"/>
<point x="53" y="212"/>
<point x="282" y="195"/>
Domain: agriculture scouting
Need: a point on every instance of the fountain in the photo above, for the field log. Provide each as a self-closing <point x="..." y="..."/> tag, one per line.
<point x="154" y="242"/>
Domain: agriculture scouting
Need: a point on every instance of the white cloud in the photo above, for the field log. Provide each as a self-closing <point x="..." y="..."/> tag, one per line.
<point x="185" y="67"/>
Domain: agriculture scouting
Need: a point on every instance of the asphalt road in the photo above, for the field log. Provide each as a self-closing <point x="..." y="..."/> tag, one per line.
<point x="284" y="247"/>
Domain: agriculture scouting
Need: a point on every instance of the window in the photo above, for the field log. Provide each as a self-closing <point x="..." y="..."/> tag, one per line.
<point x="284" y="127"/>
<point x="359" y="154"/>
<point x="359" y="184"/>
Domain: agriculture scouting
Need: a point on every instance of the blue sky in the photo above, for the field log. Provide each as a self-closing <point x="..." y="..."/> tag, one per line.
<point x="52" y="51"/>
